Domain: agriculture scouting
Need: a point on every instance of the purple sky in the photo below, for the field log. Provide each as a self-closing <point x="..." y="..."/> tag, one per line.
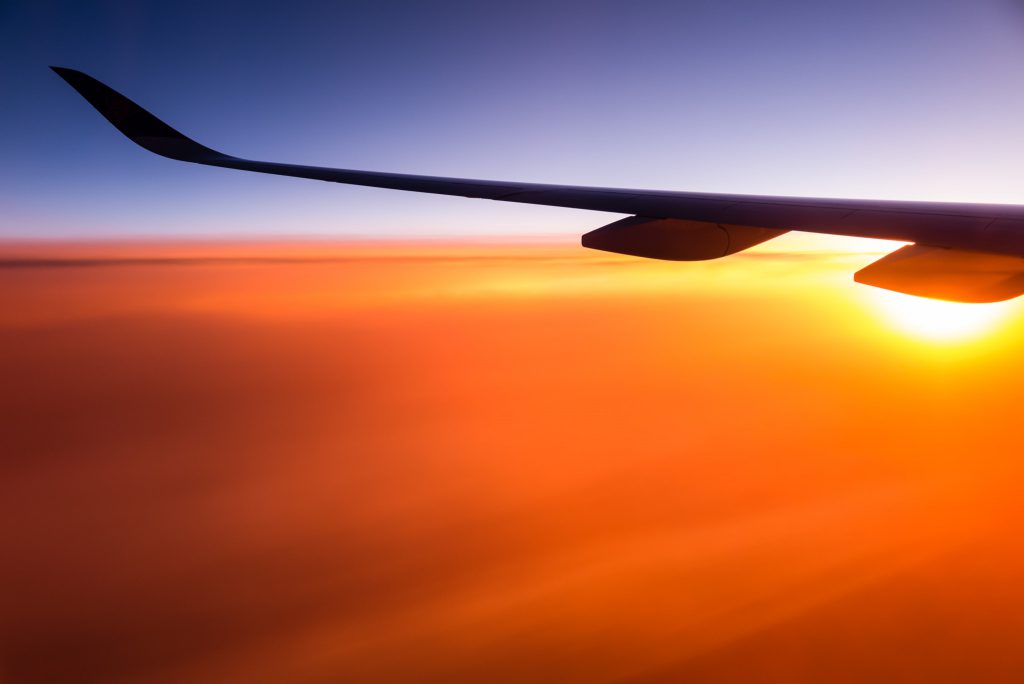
<point x="915" y="100"/>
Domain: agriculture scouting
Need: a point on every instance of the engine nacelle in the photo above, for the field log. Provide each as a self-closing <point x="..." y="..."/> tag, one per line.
<point x="675" y="239"/>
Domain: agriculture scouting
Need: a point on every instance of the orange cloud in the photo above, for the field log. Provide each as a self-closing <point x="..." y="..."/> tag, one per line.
<point x="488" y="462"/>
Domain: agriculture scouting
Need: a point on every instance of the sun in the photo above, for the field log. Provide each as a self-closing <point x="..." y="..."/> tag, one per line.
<point x="940" y="321"/>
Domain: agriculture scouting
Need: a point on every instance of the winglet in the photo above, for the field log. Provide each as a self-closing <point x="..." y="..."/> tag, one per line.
<point x="136" y="123"/>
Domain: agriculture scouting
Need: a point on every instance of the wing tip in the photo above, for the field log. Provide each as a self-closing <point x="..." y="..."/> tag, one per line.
<point x="137" y="124"/>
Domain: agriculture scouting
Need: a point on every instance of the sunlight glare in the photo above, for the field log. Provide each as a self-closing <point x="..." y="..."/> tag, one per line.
<point x="938" y="320"/>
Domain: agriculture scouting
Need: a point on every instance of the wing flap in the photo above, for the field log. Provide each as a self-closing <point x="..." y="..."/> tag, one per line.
<point x="950" y="274"/>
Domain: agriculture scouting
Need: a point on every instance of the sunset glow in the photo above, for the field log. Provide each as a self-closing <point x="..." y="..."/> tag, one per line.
<point x="939" y="321"/>
<point x="402" y="426"/>
<point x="471" y="455"/>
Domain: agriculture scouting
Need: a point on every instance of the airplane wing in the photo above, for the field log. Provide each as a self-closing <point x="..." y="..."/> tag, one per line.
<point x="685" y="226"/>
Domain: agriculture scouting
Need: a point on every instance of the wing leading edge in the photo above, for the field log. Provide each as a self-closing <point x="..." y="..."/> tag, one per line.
<point x="666" y="225"/>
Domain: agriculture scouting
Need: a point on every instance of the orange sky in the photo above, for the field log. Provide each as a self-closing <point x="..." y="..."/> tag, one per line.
<point x="490" y="462"/>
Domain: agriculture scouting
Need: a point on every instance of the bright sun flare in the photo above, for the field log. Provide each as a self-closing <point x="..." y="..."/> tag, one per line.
<point x="937" y="320"/>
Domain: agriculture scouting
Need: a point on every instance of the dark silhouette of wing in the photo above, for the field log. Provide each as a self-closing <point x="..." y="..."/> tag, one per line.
<point x="667" y="225"/>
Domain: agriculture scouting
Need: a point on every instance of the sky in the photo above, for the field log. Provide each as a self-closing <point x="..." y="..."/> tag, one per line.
<point x="910" y="100"/>
<point x="442" y="442"/>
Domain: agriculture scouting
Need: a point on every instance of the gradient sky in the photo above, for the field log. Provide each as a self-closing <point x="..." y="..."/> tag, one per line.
<point x="916" y="99"/>
<point x="501" y="460"/>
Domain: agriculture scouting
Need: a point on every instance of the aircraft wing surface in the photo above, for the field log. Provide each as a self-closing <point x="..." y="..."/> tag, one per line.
<point x="680" y="226"/>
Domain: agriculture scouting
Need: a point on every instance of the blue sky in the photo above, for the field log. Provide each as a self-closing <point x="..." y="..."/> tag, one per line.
<point x="912" y="100"/>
